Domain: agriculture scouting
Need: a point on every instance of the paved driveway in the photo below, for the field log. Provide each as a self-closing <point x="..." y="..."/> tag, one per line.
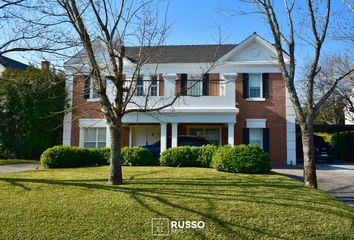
<point x="18" y="167"/>
<point x="335" y="179"/>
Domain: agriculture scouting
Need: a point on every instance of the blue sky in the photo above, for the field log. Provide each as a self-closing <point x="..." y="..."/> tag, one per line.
<point x="196" y="21"/>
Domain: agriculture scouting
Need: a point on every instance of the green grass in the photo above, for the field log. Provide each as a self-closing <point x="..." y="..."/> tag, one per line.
<point x="78" y="204"/>
<point x="15" y="161"/>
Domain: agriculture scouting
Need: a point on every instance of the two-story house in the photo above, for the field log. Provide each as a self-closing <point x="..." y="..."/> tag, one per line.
<point x="241" y="99"/>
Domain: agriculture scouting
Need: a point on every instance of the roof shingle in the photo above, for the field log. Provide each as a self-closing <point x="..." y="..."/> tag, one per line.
<point x="179" y="53"/>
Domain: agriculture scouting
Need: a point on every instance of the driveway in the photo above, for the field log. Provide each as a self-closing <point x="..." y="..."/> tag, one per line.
<point x="335" y="179"/>
<point x="10" y="168"/>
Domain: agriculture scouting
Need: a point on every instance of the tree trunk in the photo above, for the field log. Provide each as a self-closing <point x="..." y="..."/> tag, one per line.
<point x="310" y="178"/>
<point x="115" y="171"/>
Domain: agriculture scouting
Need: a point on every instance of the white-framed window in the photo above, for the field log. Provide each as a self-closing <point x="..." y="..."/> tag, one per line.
<point x="255" y="86"/>
<point x="93" y="93"/>
<point x="94" y="137"/>
<point x="147" y="86"/>
<point x="256" y="136"/>
<point x="212" y="134"/>
<point x="153" y="86"/>
<point x="194" y="85"/>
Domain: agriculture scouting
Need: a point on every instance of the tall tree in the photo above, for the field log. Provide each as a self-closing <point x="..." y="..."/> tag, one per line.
<point x="118" y="23"/>
<point x="319" y="17"/>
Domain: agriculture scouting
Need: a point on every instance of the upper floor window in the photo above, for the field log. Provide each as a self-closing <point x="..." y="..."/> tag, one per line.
<point x="255" y="86"/>
<point x="90" y="89"/>
<point x="146" y="87"/>
<point x="194" y="85"/>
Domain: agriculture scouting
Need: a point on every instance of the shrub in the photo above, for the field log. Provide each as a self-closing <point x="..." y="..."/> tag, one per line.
<point x="137" y="156"/>
<point x="242" y="159"/>
<point x="66" y="157"/>
<point x="186" y="156"/>
<point x="342" y="146"/>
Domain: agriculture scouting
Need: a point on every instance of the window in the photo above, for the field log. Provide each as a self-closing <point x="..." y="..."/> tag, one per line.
<point x="212" y="134"/>
<point x="153" y="85"/>
<point x="90" y="89"/>
<point x="255" y="85"/>
<point x="145" y="86"/>
<point x="94" y="137"/>
<point x="139" y="91"/>
<point x="256" y="136"/>
<point x="194" y="85"/>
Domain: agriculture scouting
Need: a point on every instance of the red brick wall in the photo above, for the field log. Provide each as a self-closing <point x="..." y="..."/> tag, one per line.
<point x="273" y="109"/>
<point x="85" y="109"/>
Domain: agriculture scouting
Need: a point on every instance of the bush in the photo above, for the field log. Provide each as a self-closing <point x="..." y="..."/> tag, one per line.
<point x="66" y="157"/>
<point x="186" y="156"/>
<point x="137" y="156"/>
<point x="341" y="145"/>
<point x="242" y="159"/>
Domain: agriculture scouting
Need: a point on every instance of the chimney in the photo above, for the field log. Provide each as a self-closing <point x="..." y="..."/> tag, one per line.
<point x="45" y="65"/>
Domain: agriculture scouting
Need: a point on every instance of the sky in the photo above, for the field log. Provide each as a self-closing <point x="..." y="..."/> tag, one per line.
<point x="197" y="22"/>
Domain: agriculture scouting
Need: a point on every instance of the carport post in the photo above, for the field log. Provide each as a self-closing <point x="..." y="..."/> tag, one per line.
<point x="349" y="147"/>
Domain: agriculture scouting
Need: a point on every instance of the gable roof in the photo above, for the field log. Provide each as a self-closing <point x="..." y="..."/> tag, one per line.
<point x="10" y="63"/>
<point x="181" y="53"/>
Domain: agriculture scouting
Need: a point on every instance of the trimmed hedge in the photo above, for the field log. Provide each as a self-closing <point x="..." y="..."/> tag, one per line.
<point x="67" y="157"/>
<point x="186" y="156"/>
<point x="137" y="156"/>
<point x="241" y="159"/>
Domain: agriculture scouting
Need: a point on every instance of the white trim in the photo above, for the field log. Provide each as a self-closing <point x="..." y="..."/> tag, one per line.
<point x="255" y="99"/>
<point x="67" y="122"/>
<point x="93" y="99"/>
<point x="290" y="130"/>
<point x="256" y="123"/>
<point x="252" y="38"/>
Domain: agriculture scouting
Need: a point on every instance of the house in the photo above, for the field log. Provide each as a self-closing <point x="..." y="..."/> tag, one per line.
<point x="243" y="99"/>
<point x="6" y="62"/>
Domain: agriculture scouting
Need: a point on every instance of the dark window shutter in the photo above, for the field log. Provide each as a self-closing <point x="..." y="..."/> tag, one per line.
<point x="245" y="78"/>
<point x="183" y="84"/>
<point x="266" y="139"/>
<point x="246" y="135"/>
<point x="87" y="84"/>
<point x="206" y="84"/>
<point x="265" y="83"/>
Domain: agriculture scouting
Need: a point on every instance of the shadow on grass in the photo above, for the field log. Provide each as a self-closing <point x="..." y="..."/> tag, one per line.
<point x="161" y="190"/>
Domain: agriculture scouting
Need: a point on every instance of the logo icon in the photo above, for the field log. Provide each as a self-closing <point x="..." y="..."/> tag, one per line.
<point x="160" y="226"/>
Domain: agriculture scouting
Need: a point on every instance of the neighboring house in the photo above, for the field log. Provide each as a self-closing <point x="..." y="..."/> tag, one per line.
<point x="242" y="100"/>
<point x="6" y="62"/>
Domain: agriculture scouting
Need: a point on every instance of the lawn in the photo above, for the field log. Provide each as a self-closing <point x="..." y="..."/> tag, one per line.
<point x="78" y="204"/>
<point x="15" y="161"/>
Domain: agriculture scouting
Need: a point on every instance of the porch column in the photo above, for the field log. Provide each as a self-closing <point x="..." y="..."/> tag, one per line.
<point x="163" y="137"/>
<point x="174" y="134"/>
<point x="231" y="134"/>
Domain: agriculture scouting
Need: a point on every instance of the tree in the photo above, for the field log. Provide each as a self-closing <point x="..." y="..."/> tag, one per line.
<point x="118" y="23"/>
<point x="319" y="17"/>
<point x="32" y="103"/>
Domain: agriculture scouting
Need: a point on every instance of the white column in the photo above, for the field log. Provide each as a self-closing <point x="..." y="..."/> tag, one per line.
<point x="174" y="134"/>
<point x="170" y="83"/>
<point x="231" y="133"/>
<point x="163" y="137"/>
<point x="130" y="136"/>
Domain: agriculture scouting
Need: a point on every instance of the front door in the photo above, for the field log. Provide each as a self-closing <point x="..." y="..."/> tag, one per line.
<point x="145" y="135"/>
